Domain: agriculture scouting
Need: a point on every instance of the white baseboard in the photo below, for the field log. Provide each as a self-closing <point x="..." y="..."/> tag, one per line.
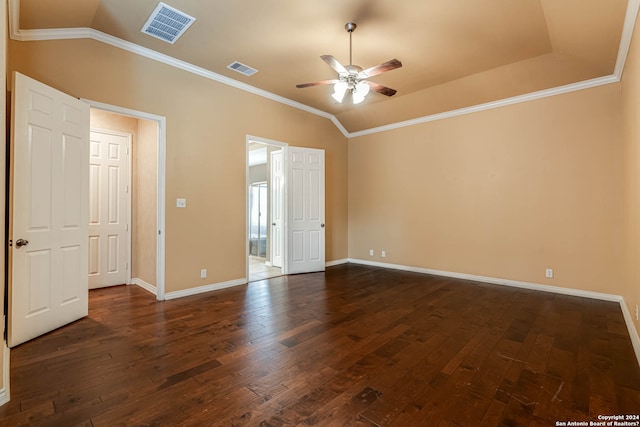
<point x="633" y="333"/>
<point x="4" y="392"/>
<point x="205" y="288"/>
<point x="495" y="281"/>
<point x="336" y="262"/>
<point x="145" y="285"/>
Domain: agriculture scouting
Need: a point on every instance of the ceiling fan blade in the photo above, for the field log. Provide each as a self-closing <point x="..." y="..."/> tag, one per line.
<point x="321" y="82"/>
<point x="381" y="89"/>
<point x="379" y="69"/>
<point x="333" y="63"/>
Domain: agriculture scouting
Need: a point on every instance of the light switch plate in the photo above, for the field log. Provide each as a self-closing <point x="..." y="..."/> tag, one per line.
<point x="181" y="203"/>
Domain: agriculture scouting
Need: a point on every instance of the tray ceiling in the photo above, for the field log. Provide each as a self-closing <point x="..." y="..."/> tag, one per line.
<point x="455" y="53"/>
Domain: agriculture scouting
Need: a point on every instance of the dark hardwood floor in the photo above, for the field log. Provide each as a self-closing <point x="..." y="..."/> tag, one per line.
<point x="355" y="346"/>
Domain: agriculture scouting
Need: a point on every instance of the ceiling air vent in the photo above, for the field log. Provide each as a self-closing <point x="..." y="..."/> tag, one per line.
<point x="167" y="23"/>
<point x="241" y="68"/>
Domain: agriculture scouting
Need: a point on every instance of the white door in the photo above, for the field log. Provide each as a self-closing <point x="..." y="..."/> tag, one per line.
<point x="49" y="218"/>
<point x="305" y="232"/>
<point x="108" y="208"/>
<point x="277" y="188"/>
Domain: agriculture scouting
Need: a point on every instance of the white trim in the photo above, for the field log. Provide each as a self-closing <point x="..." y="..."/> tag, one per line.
<point x="627" y="35"/>
<point x="162" y="144"/>
<point x="144" y="285"/>
<point x="90" y="33"/>
<point x="336" y="262"/>
<point x="16" y="33"/>
<point x="493" y="280"/>
<point x="203" y="289"/>
<point x="633" y="333"/>
<point x="285" y="155"/>
<point x="13" y="9"/>
<point x="587" y="84"/>
<point x="5" y="394"/>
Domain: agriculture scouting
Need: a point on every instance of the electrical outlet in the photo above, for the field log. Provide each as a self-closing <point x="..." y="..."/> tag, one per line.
<point x="383" y="253"/>
<point x="181" y="203"/>
<point x="370" y="252"/>
<point x="203" y="273"/>
<point x="549" y="273"/>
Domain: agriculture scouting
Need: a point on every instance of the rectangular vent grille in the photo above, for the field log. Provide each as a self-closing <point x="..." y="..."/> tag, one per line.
<point x="167" y="23"/>
<point x="241" y="68"/>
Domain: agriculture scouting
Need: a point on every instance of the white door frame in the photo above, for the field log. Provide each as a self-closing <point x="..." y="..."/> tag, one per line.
<point x="129" y="193"/>
<point x="276" y="193"/>
<point x="161" y="181"/>
<point x="284" y="146"/>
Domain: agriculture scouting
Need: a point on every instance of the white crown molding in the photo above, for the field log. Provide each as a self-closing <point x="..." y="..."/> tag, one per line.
<point x="627" y="34"/>
<point x="587" y="84"/>
<point x="75" y="33"/>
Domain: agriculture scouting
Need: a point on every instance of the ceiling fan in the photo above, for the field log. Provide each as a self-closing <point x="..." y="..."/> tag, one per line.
<point x="352" y="78"/>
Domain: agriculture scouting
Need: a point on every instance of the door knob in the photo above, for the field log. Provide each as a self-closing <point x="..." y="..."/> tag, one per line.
<point x="21" y="242"/>
<point x="274" y="224"/>
<point x="322" y="225"/>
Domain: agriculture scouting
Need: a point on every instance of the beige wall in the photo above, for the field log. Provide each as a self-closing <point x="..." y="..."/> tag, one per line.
<point x="631" y="121"/>
<point x="207" y="124"/>
<point x="503" y="193"/>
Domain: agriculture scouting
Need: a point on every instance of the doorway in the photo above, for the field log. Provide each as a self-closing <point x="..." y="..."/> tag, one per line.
<point x="145" y="247"/>
<point x="265" y="195"/>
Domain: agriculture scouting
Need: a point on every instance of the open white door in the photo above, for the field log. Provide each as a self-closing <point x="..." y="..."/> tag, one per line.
<point x="108" y="208"/>
<point x="48" y="279"/>
<point x="277" y="220"/>
<point x="305" y="228"/>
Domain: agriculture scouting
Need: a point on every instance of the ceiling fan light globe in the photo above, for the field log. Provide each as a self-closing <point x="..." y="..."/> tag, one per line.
<point x="359" y="92"/>
<point x="339" y="89"/>
<point x="357" y="97"/>
<point x="362" y="88"/>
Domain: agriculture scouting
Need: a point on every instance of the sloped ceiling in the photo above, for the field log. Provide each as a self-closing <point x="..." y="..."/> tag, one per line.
<point x="455" y="53"/>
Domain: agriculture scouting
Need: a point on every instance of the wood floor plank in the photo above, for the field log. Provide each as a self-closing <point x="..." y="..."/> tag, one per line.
<point x="354" y="346"/>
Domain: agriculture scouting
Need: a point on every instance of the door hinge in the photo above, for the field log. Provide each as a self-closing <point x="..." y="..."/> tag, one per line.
<point x="126" y="188"/>
<point x="126" y="228"/>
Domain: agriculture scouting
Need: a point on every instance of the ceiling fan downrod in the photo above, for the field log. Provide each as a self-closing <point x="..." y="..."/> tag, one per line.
<point x="350" y="27"/>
